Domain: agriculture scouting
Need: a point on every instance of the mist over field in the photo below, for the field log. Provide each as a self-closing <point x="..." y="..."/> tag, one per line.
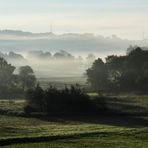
<point x="46" y="64"/>
<point x="58" y="68"/>
<point x="78" y="46"/>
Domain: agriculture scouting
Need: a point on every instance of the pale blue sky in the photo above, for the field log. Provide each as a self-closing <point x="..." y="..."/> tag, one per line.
<point x="125" y="18"/>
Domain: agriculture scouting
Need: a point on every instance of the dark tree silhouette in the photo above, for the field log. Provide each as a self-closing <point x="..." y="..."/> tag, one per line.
<point x="8" y="80"/>
<point x="121" y="73"/>
<point x="97" y="75"/>
<point x="67" y="101"/>
<point x="27" y="77"/>
<point x="6" y="72"/>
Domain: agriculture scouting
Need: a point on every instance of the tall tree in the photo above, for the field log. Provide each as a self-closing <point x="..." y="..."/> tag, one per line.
<point x="27" y="77"/>
<point x="6" y="73"/>
<point x="121" y="73"/>
<point x="97" y="75"/>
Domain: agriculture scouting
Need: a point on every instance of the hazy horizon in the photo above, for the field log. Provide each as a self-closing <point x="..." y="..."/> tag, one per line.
<point x="126" y="19"/>
<point x="79" y="27"/>
<point x="51" y="32"/>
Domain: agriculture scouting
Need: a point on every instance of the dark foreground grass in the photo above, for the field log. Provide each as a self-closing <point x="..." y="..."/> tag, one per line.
<point x="99" y="131"/>
<point x="74" y="132"/>
<point x="106" y="140"/>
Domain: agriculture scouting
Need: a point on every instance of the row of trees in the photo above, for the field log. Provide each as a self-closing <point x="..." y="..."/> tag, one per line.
<point x="12" y="84"/>
<point x="121" y="73"/>
<point x="61" y="55"/>
<point x="45" y="56"/>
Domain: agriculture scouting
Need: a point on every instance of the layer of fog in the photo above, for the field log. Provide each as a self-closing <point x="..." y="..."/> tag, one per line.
<point x="45" y="64"/>
<point x="74" y="43"/>
<point x="76" y="46"/>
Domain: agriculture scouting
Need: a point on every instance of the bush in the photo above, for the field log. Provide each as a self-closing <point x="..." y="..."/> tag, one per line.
<point x="100" y="104"/>
<point x="28" y="109"/>
<point x="35" y="98"/>
<point x="68" y="100"/>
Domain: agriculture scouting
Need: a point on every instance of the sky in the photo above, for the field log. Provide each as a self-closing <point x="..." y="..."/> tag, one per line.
<point x="125" y="18"/>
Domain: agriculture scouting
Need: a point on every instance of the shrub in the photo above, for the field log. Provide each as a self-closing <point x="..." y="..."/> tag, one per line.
<point x="28" y="109"/>
<point x="68" y="100"/>
<point x="35" y="98"/>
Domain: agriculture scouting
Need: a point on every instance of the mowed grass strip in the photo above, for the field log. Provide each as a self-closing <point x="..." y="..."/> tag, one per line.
<point x="91" y="141"/>
<point x="13" y="127"/>
<point x="98" y="131"/>
<point x="15" y="130"/>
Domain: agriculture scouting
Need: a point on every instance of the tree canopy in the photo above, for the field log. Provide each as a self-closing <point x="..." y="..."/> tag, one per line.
<point x="121" y="73"/>
<point x="12" y="84"/>
<point x="27" y="77"/>
<point x="6" y="73"/>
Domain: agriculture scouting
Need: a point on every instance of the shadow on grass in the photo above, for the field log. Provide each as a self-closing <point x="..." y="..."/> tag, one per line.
<point x="117" y="112"/>
<point x="106" y="119"/>
<point x="23" y="140"/>
<point x="128" y="121"/>
<point x="116" y="120"/>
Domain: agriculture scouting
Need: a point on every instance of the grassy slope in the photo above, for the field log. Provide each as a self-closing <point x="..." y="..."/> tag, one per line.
<point x="90" y="142"/>
<point x="105" y="131"/>
<point x="121" y="131"/>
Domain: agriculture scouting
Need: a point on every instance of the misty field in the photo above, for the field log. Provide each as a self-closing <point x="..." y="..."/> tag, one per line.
<point x="61" y="82"/>
<point x="18" y="131"/>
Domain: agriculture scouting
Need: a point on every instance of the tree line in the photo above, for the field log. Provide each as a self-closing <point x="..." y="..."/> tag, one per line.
<point x="128" y="73"/>
<point x="70" y="100"/>
<point x="11" y="84"/>
<point x="41" y="55"/>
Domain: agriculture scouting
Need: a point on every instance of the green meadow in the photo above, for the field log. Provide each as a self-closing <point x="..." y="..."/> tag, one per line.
<point x="97" y="131"/>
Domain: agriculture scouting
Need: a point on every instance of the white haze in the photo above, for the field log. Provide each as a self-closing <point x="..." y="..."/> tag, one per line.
<point x="75" y="44"/>
<point x="54" y="68"/>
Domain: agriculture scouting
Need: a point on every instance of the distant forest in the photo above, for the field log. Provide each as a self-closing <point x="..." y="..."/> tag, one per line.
<point x="44" y="55"/>
<point x="19" y="41"/>
<point x="127" y="73"/>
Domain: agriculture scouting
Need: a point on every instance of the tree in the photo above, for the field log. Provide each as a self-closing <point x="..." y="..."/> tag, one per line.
<point x="34" y="98"/>
<point x="27" y="77"/>
<point x="121" y="73"/>
<point x="136" y="65"/>
<point x="97" y="75"/>
<point x="6" y="73"/>
<point x="66" y="101"/>
<point x="115" y="70"/>
<point x="8" y="82"/>
<point x="63" y="55"/>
